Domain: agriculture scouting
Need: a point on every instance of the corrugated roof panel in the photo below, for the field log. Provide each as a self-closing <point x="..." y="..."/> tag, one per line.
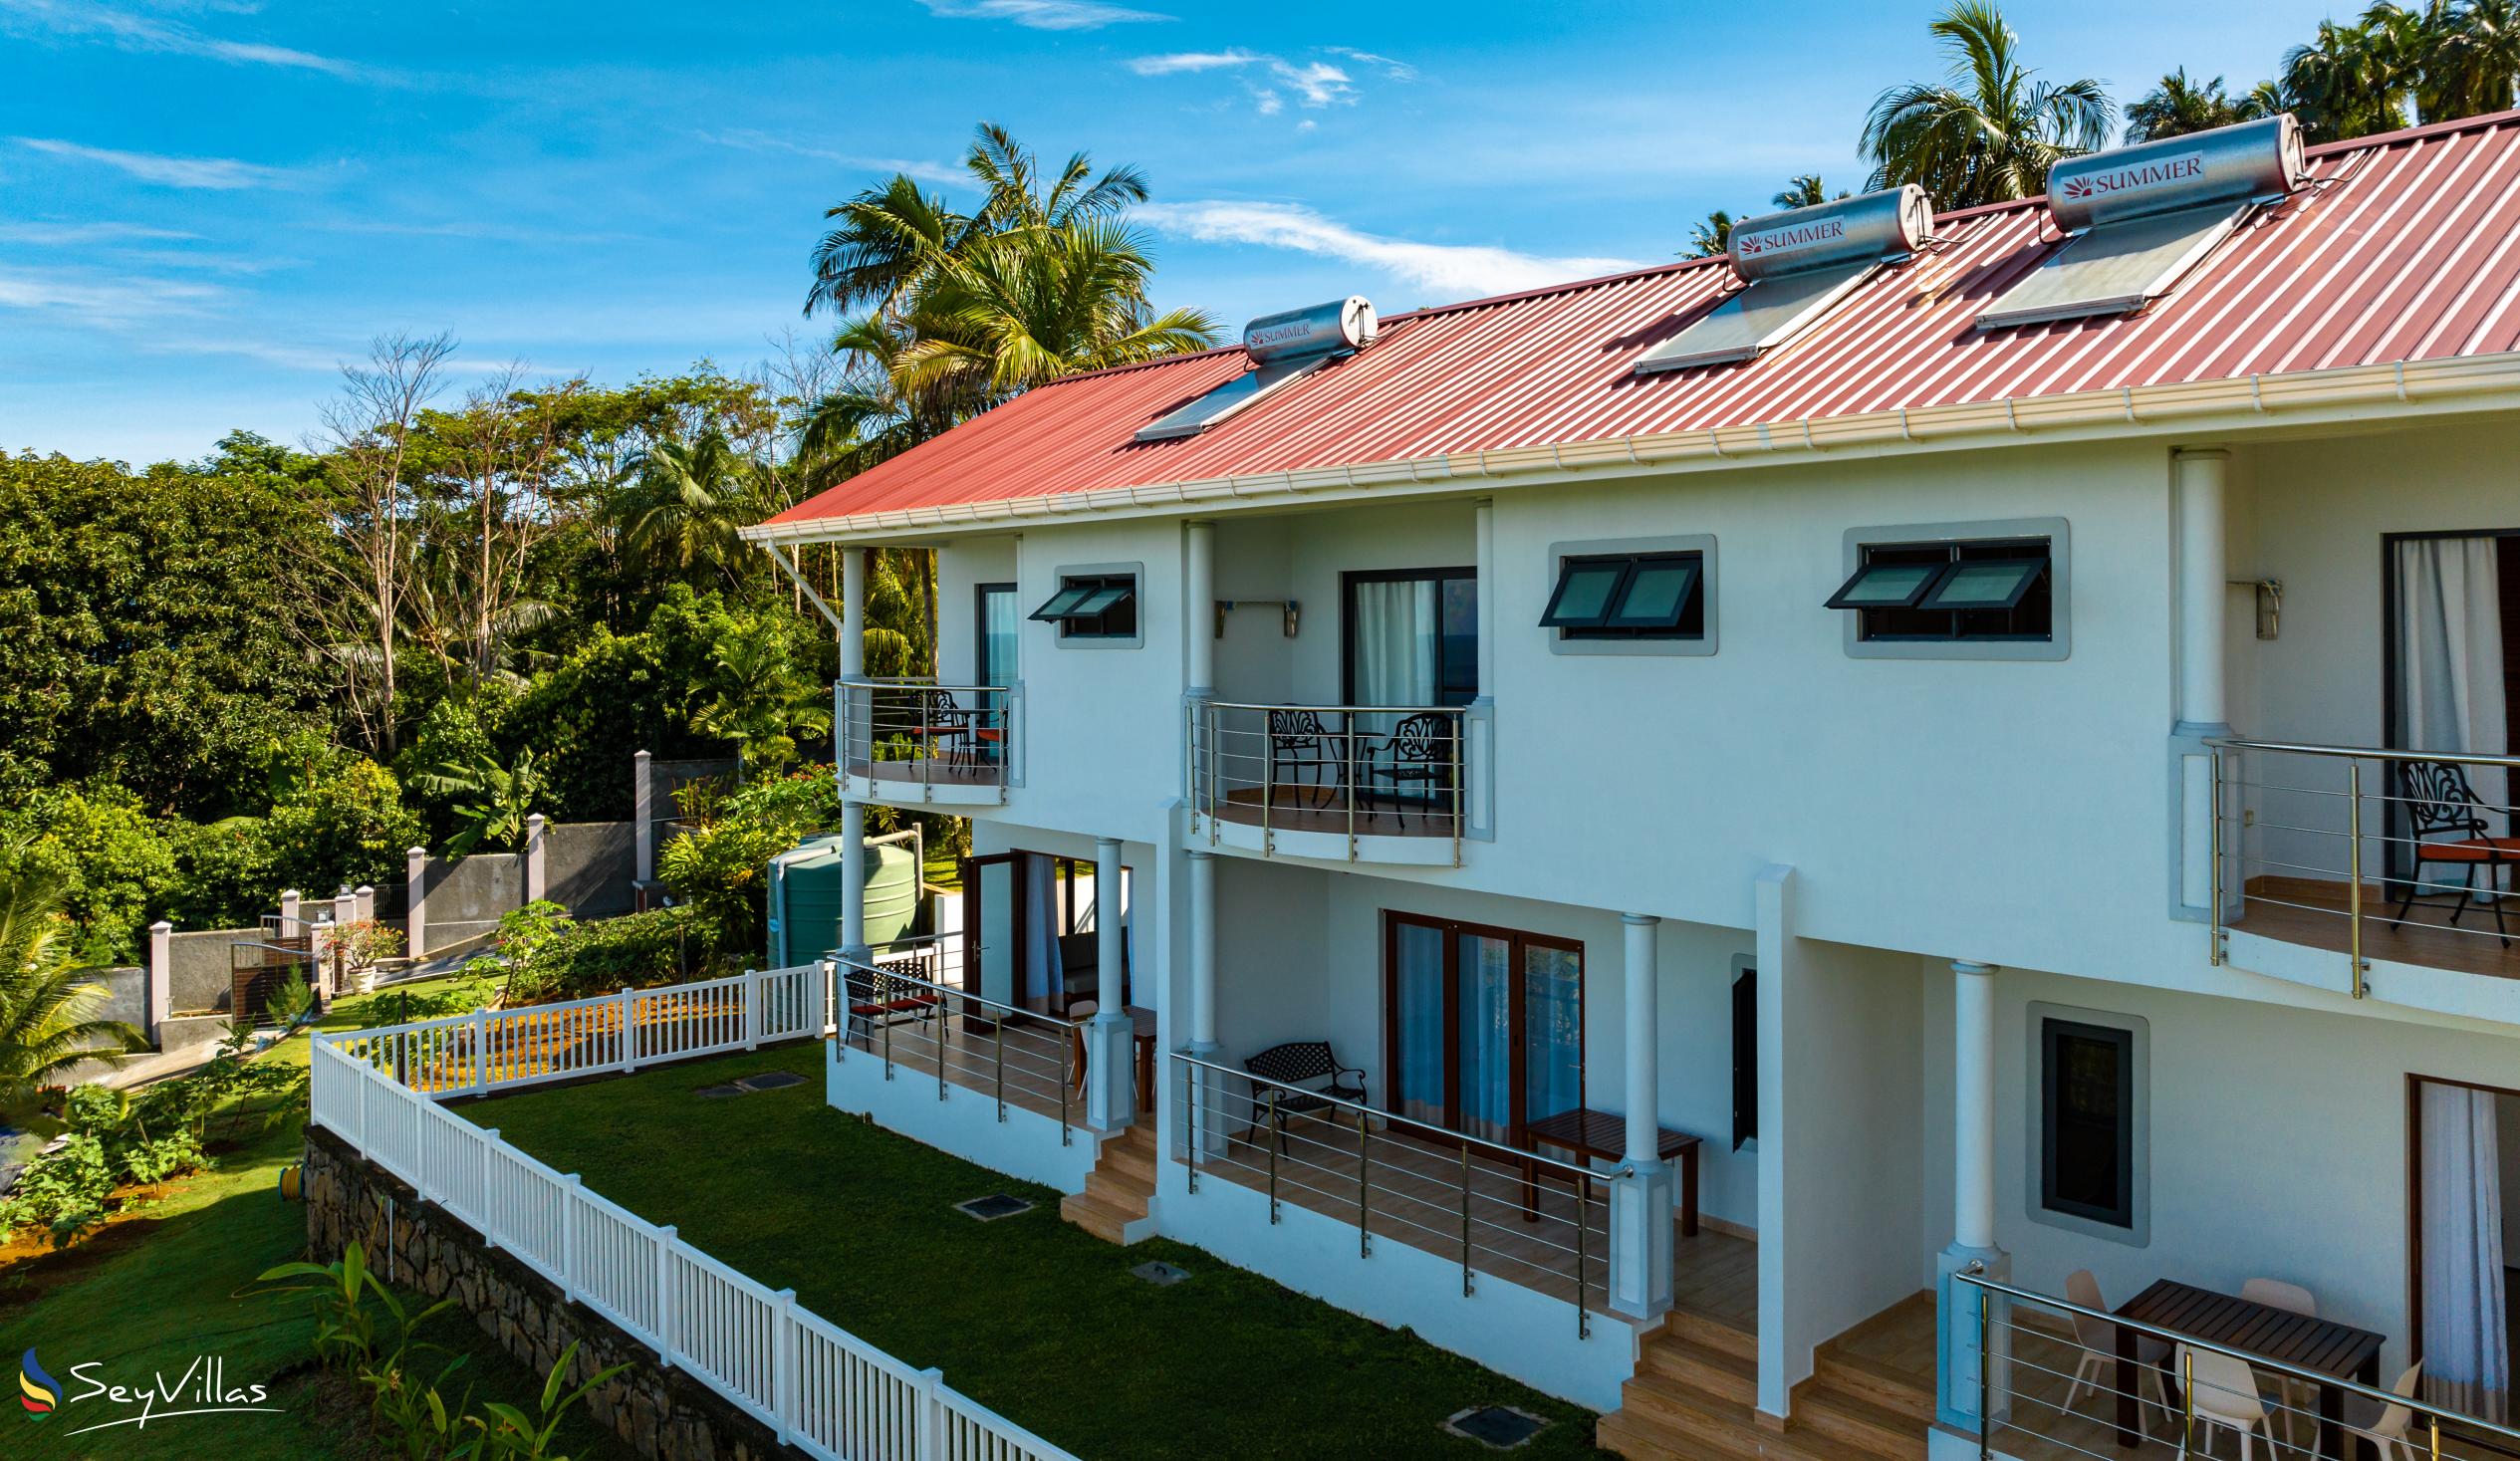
<point x="2401" y="248"/>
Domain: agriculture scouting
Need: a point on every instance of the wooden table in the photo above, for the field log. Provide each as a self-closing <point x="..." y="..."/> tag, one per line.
<point x="2320" y="1345"/>
<point x="1142" y="1024"/>
<point x="1590" y="1134"/>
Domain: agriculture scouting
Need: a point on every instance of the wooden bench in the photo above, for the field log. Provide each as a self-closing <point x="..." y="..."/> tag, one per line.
<point x="1599" y="1135"/>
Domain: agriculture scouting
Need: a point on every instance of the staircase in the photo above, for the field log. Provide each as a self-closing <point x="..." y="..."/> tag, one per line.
<point x="1695" y="1393"/>
<point x="1113" y="1206"/>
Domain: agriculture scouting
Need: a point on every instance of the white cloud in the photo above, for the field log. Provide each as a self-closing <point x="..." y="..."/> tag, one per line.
<point x="132" y="32"/>
<point x="1041" y="15"/>
<point x="56" y="235"/>
<point x="106" y="301"/>
<point x="1314" y="83"/>
<point x="219" y="173"/>
<point x="1455" y="271"/>
<point x="1191" y="61"/>
<point x="751" y="140"/>
<point x="1399" y="70"/>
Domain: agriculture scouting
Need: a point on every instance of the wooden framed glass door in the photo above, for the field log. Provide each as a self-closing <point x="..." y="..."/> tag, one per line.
<point x="1483" y="1027"/>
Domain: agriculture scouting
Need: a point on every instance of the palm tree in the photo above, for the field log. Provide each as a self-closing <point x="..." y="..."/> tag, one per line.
<point x="48" y="1014"/>
<point x="1805" y="191"/>
<point x="2350" y="81"/>
<point x="687" y="500"/>
<point x="1989" y="131"/>
<point x="763" y="699"/>
<point x="498" y="798"/>
<point x="2472" y="55"/>
<point x="1712" y="237"/>
<point x="2179" y="106"/>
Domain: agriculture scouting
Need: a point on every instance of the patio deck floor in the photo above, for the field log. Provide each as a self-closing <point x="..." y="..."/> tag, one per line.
<point x="2312" y="914"/>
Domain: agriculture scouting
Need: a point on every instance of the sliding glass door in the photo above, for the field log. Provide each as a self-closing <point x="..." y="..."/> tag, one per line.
<point x="1484" y="1025"/>
<point x="1412" y="638"/>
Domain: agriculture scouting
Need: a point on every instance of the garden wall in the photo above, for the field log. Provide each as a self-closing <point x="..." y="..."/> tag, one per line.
<point x="201" y="973"/>
<point x="467" y="896"/>
<point x="588" y="868"/>
<point x="659" y="1413"/>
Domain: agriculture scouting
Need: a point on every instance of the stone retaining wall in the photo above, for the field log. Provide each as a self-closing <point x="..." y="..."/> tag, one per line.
<point x="661" y="1413"/>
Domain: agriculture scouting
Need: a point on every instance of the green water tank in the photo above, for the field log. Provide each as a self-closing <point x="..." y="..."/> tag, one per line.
<point x="809" y="886"/>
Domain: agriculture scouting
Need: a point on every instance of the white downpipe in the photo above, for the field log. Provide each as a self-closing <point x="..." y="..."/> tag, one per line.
<point x="1974" y="1104"/>
<point x="1203" y="950"/>
<point x="2203" y="597"/>
<point x="1199" y="614"/>
<point x="853" y="815"/>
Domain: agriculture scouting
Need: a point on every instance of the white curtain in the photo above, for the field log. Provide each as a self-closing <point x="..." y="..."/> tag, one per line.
<point x="1487" y="1037"/>
<point x="1041" y="925"/>
<point x="2450" y="690"/>
<point x="1396" y="638"/>
<point x="2466" y="1347"/>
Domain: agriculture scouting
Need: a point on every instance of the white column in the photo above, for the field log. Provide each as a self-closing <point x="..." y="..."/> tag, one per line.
<point x="644" y="810"/>
<point x="1111" y="1041"/>
<point x="1203" y="879"/>
<point x="366" y="896"/>
<point x="537" y="857"/>
<point x="416" y="900"/>
<point x="2203" y="596"/>
<point x="1972" y="1202"/>
<point x="290" y="897"/>
<point x="1198" y="588"/>
<point x="1483" y="519"/>
<point x="853" y="815"/>
<point x="1640" y="1232"/>
<point x="161" y="975"/>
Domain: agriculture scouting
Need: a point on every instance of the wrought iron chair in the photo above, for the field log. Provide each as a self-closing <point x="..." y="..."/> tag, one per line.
<point x="1421" y="752"/>
<point x="2441" y="804"/>
<point x="947" y="723"/>
<point x="1292" y="1064"/>
<point x="1299" y="742"/>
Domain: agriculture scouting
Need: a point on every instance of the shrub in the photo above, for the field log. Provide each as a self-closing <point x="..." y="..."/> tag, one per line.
<point x="64" y="1191"/>
<point x="113" y="864"/>
<point x="721" y="864"/>
<point x="655" y="947"/>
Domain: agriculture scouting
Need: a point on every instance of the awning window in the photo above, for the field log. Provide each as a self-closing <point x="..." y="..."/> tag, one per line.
<point x="1887" y="584"/>
<point x="1999" y="583"/>
<point x="1063" y="604"/>
<point x="1649" y="592"/>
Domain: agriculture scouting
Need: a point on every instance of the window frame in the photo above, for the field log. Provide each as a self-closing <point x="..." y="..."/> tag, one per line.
<point x="1624" y="640"/>
<point x="1092" y="577"/>
<point x="1950" y="537"/>
<point x="2133" y="1034"/>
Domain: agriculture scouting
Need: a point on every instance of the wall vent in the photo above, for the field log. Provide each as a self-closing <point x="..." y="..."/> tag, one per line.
<point x="1794" y="266"/>
<point x="2140" y="217"/>
<point x="1280" y="348"/>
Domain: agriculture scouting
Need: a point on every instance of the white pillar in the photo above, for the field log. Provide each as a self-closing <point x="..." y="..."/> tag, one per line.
<point x="853" y="815"/>
<point x="2203" y="596"/>
<point x="644" y="811"/>
<point x="1483" y="520"/>
<point x="345" y="910"/>
<point x="1640" y="1233"/>
<point x="1972" y="1205"/>
<point x="161" y="975"/>
<point x="1111" y="1081"/>
<point x="415" y="901"/>
<point x="365" y="894"/>
<point x="537" y="857"/>
<point x="1198" y="588"/>
<point x="1213" y="1127"/>
<point x="290" y="897"/>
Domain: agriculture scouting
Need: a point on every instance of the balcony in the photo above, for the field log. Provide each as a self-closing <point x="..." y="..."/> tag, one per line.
<point x="2375" y="873"/>
<point x="1332" y="782"/>
<point x="918" y="742"/>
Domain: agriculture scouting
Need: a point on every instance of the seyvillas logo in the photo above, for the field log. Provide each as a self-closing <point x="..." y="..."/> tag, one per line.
<point x="2185" y="167"/>
<point x="36" y="1391"/>
<point x="1769" y="240"/>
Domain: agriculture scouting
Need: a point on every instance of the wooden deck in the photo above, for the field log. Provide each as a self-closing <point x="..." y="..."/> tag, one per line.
<point x="932" y="771"/>
<point x="1306" y="807"/>
<point x="1037" y="1057"/>
<point x="2312" y="914"/>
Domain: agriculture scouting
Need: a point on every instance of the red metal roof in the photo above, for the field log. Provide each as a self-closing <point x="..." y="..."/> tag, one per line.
<point x="2403" y="248"/>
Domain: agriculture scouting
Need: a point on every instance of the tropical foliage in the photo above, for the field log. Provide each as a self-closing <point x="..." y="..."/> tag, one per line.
<point x="1990" y="129"/>
<point x="51" y="1015"/>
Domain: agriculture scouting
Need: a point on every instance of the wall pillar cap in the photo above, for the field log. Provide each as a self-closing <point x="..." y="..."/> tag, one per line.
<point x="1973" y="966"/>
<point x="1640" y="919"/>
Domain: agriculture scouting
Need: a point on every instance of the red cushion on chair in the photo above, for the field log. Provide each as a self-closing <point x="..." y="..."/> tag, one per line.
<point x="2476" y="850"/>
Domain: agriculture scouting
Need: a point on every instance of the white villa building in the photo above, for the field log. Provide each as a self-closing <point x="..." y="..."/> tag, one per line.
<point x="1885" y="762"/>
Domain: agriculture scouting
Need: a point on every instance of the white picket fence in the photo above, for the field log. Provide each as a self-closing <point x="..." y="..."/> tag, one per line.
<point x="821" y="1388"/>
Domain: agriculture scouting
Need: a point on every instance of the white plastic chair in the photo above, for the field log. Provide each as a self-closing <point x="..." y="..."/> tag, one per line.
<point x="2388" y="1429"/>
<point x="2097" y="1340"/>
<point x="2223" y="1393"/>
<point x="2297" y="1397"/>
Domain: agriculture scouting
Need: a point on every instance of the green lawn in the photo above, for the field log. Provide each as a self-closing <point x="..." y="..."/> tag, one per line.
<point x="1029" y="1315"/>
<point x="147" y="1298"/>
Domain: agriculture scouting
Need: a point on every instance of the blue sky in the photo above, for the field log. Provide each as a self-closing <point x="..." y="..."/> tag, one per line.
<point x="206" y="205"/>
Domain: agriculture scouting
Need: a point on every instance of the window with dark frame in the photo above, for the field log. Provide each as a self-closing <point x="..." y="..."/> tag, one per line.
<point x="2086" y="1103"/>
<point x="1996" y="589"/>
<point x="1634" y="595"/>
<point x="1093" y="607"/>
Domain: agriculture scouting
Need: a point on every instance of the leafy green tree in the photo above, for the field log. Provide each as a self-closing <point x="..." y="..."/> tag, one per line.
<point x="1803" y="191"/>
<point x="1989" y="131"/>
<point x="2352" y="81"/>
<point x="49" y="1016"/>
<point x="686" y="502"/>
<point x="109" y="861"/>
<point x="492" y="802"/>
<point x="1712" y="237"/>
<point x="2473" y="58"/>
<point x="2179" y="106"/>
<point x="612" y="698"/>
<point x="761" y="698"/>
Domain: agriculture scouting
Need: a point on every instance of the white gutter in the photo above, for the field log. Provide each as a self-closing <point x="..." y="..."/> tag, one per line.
<point x="2405" y="389"/>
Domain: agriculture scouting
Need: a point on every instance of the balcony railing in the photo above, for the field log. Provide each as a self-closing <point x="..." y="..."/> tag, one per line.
<point x="2043" y="1377"/>
<point x="2405" y="855"/>
<point x="951" y="742"/>
<point x="1526" y="1219"/>
<point x="896" y="1008"/>
<point x="1335" y="772"/>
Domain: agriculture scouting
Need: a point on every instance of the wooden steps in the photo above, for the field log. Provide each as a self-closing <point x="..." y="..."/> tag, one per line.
<point x="1695" y="1393"/>
<point x="1117" y="1192"/>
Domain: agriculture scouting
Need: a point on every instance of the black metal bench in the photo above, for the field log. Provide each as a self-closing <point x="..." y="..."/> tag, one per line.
<point x="1290" y="1065"/>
